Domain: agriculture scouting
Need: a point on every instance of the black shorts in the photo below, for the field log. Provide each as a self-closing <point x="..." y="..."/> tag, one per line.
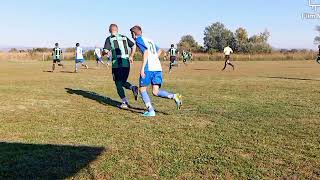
<point x="120" y="74"/>
<point x="227" y="57"/>
<point x="56" y="61"/>
<point x="173" y="59"/>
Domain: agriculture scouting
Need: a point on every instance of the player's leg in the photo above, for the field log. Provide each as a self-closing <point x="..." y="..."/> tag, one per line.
<point x="118" y="80"/>
<point x="53" y="65"/>
<point x="76" y="67"/>
<point x="97" y="62"/>
<point x="229" y="62"/>
<point x="156" y="84"/>
<point x="144" y="83"/>
<point x="84" y="65"/>
<point x="171" y="63"/>
<point x="101" y="61"/>
<point x="146" y="99"/>
<point x="225" y="63"/>
<point x="61" y="64"/>
<point x="124" y="78"/>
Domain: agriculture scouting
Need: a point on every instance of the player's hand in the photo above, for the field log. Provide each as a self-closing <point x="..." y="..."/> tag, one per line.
<point x="142" y="74"/>
<point x="131" y="60"/>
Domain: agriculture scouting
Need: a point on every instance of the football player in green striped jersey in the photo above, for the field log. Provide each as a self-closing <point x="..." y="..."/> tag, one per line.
<point x="57" y="57"/>
<point x="121" y="49"/>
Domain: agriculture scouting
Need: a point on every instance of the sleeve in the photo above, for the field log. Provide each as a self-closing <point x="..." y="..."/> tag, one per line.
<point x="130" y="43"/>
<point x="107" y="44"/>
<point x="141" y="45"/>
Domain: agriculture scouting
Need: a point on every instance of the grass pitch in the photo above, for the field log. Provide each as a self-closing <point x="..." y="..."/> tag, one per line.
<point x="260" y="121"/>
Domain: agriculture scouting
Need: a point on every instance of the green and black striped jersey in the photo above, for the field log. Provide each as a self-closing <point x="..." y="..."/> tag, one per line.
<point x="56" y="53"/>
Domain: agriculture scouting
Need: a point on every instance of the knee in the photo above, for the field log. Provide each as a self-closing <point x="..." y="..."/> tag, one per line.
<point x="155" y="92"/>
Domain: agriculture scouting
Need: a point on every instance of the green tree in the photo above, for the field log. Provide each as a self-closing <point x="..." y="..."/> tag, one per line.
<point x="217" y="37"/>
<point x="241" y="35"/>
<point x="188" y="42"/>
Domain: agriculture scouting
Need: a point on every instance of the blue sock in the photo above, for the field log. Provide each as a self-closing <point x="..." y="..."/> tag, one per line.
<point x="147" y="101"/>
<point x="165" y="94"/>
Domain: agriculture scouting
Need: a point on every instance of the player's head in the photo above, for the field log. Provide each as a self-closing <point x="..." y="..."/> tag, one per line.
<point x="78" y="44"/>
<point x="136" y="31"/>
<point x="113" y="29"/>
<point x="56" y="44"/>
<point x="172" y="45"/>
<point x="319" y="46"/>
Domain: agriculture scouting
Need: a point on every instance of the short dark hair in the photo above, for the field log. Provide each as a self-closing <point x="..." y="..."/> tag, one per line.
<point x="135" y="29"/>
<point x="78" y="44"/>
<point x="56" y="44"/>
<point x="111" y="26"/>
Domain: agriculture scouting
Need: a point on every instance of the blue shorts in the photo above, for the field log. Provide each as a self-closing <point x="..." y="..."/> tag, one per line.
<point x="79" y="60"/>
<point x="152" y="78"/>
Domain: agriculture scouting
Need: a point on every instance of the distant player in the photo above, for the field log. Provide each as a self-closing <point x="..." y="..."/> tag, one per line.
<point x="173" y="57"/>
<point x="98" y="56"/>
<point x="190" y="55"/>
<point x="79" y="58"/>
<point x="121" y="49"/>
<point x="151" y="72"/>
<point x="186" y="56"/>
<point x="227" y="52"/>
<point x="57" y="56"/>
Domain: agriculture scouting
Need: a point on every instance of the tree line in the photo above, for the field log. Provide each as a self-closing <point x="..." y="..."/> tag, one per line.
<point x="217" y="36"/>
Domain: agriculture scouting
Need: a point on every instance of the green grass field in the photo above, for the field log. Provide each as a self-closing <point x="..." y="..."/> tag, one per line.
<point x="260" y="121"/>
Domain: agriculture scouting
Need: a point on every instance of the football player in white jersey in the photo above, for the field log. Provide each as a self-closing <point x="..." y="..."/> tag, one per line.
<point x="227" y="52"/>
<point x="151" y="72"/>
<point x="79" y="58"/>
<point x="98" y="56"/>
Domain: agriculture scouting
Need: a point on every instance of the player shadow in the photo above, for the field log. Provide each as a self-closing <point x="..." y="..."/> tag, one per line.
<point x="289" y="78"/>
<point x="48" y="71"/>
<point x="199" y="69"/>
<point x="35" y="161"/>
<point x="105" y="100"/>
<point x="68" y="72"/>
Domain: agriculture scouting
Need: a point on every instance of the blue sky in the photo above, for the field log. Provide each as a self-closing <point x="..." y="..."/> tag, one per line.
<point x="42" y="22"/>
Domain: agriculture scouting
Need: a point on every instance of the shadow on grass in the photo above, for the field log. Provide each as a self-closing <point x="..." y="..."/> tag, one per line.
<point x="70" y="72"/>
<point x="199" y="69"/>
<point x="33" y="161"/>
<point x="289" y="78"/>
<point x="105" y="100"/>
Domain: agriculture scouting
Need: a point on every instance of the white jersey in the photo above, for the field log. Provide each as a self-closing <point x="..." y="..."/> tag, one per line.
<point x="153" y="62"/>
<point x="97" y="52"/>
<point x="227" y="51"/>
<point x="79" y="53"/>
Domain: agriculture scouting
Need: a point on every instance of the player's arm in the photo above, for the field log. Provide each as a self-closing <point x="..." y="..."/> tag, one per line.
<point x="144" y="63"/>
<point x="133" y="50"/>
<point x="107" y="47"/>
